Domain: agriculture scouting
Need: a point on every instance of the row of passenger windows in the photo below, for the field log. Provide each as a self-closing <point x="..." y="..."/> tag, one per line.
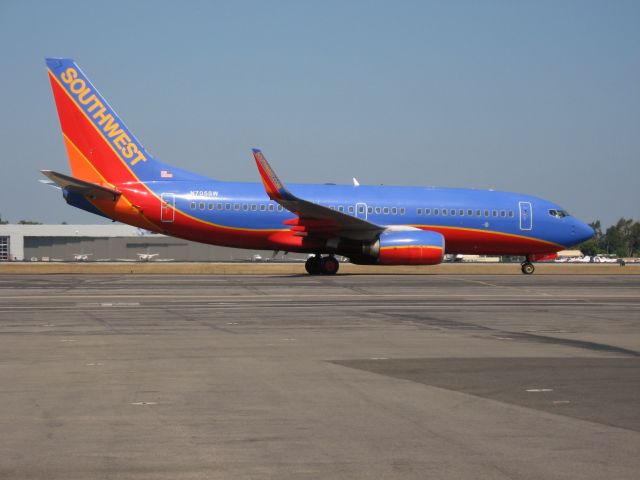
<point x="236" y="206"/>
<point x="351" y="210"/>
<point x="370" y="210"/>
<point x="272" y="208"/>
<point x="452" y="212"/>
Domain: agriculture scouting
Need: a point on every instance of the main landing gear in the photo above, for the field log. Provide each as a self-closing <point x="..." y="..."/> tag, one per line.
<point x="318" y="265"/>
<point x="527" y="267"/>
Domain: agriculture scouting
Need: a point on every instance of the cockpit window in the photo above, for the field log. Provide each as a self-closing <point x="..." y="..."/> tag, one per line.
<point x="558" y="213"/>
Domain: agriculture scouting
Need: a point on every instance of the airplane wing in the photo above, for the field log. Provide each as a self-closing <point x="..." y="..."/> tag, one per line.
<point x="313" y="218"/>
<point x="92" y="190"/>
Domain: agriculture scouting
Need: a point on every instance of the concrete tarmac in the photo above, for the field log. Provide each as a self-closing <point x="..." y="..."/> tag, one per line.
<point x="345" y="377"/>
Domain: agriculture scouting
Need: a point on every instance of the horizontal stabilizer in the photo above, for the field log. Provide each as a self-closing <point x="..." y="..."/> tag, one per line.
<point x="88" y="189"/>
<point x="49" y="182"/>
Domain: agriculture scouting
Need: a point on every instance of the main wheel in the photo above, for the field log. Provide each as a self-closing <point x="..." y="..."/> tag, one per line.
<point x="313" y="265"/>
<point x="329" y="265"/>
<point x="527" y="268"/>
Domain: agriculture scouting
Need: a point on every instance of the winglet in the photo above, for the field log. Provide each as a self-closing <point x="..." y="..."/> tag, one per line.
<point x="272" y="184"/>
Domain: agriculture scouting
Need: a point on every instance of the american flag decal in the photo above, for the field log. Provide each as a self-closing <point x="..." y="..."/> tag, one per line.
<point x="166" y="174"/>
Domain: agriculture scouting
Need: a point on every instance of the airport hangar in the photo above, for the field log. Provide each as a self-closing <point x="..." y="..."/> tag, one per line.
<point x="113" y="242"/>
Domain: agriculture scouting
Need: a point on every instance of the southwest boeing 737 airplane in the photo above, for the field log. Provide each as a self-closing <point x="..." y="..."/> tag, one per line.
<point x="112" y="175"/>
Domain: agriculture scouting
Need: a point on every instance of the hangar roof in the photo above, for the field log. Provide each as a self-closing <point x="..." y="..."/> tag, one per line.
<point x="108" y="230"/>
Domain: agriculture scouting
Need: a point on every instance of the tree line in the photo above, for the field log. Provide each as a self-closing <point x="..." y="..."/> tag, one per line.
<point x="20" y="222"/>
<point x="621" y="239"/>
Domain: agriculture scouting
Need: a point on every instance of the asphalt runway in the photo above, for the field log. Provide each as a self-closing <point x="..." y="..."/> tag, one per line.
<point x="345" y="377"/>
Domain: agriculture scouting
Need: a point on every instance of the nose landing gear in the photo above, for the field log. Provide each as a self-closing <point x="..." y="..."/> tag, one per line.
<point x="318" y="265"/>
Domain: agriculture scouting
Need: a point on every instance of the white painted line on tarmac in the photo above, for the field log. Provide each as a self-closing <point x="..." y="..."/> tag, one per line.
<point x="120" y="304"/>
<point x="574" y="297"/>
<point x="143" y="403"/>
<point x="536" y="390"/>
<point x="169" y="281"/>
<point x="306" y="305"/>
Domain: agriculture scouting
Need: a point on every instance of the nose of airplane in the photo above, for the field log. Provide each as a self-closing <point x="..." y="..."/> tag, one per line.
<point x="582" y="232"/>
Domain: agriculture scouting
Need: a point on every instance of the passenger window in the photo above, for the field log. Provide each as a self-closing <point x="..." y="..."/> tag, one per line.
<point x="469" y="213"/>
<point x="193" y="205"/>
<point x="486" y="213"/>
<point x="263" y="207"/>
<point x="511" y="213"/>
<point x="236" y="206"/>
<point x="340" y="208"/>
<point x="419" y="211"/>
<point x="453" y="212"/>
<point x="254" y="207"/>
<point x="219" y="206"/>
<point x="360" y="209"/>
<point x="280" y="208"/>
<point x="271" y="208"/>
<point x="385" y="210"/>
<point x="378" y="210"/>
<point x="478" y="213"/>
<point x="444" y="212"/>
<point x="394" y="211"/>
<point x="461" y="212"/>
<point x="436" y="211"/>
<point x="402" y="211"/>
<point x="201" y="205"/>
<point x="369" y="209"/>
<point x="503" y="213"/>
<point x="227" y="206"/>
<point x="427" y="211"/>
<point x="495" y="213"/>
<point x="210" y="206"/>
<point x="245" y="207"/>
<point x="350" y="209"/>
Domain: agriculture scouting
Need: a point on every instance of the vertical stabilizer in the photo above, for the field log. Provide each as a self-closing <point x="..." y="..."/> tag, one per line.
<point x="100" y="147"/>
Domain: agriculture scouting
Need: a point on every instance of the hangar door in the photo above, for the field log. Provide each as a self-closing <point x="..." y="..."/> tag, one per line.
<point x="4" y="248"/>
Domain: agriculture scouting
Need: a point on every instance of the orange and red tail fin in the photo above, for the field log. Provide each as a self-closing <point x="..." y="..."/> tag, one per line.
<point x="100" y="147"/>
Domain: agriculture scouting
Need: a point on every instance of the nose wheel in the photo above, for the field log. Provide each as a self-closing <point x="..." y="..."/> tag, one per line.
<point x="527" y="268"/>
<point x="318" y="265"/>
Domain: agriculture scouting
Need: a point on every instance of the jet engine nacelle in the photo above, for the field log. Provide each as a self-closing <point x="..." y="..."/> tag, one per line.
<point x="407" y="247"/>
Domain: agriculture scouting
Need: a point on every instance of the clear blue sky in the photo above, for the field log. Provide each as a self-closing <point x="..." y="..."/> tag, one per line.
<point x="540" y="97"/>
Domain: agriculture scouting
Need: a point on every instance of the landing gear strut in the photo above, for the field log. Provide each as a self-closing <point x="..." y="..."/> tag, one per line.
<point x="527" y="268"/>
<point x="318" y="265"/>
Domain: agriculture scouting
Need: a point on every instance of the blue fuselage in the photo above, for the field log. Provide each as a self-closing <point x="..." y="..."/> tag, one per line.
<point x="472" y="221"/>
